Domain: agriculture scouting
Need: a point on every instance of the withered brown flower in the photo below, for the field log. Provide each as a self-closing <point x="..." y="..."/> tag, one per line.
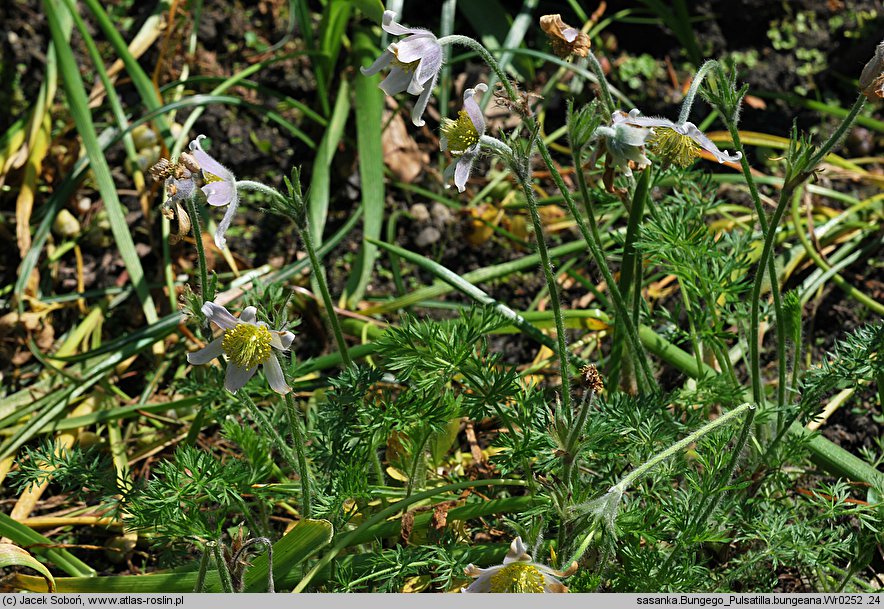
<point x="565" y="40"/>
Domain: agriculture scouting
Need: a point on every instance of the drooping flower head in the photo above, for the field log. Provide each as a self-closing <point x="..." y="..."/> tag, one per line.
<point x="461" y="137"/>
<point x="415" y="62"/>
<point x="518" y="573"/>
<point x="678" y="143"/>
<point x="623" y="146"/>
<point x="564" y="39"/>
<point x="247" y="344"/>
<point x="219" y="187"/>
<point x="871" y="81"/>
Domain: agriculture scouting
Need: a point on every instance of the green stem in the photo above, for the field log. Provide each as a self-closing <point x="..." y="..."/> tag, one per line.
<point x="648" y="465"/>
<point x="555" y="304"/>
<point x="318" y="269"/>
<point x="695" y="87"/>
<point x="194" y="213"/>
<point x="223" y="571"/>
<point x="201" y="574"/>
<point x="300" y="449"/>
<point x="628" y="274"/>
<point x="345" y="540"/>
<point x="596" y="68"/>
<point x="269" y="430"/>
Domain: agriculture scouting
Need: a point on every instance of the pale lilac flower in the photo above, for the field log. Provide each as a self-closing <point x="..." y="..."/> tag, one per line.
<point x="415" y="60"/>
<point x="246" y="343"/>
<point x="624" y="144"/>
<point x="677" y="143"/>
<point x="518" y="573"/>
<point x="461" y="138"/>
<point x="219" y="188"/>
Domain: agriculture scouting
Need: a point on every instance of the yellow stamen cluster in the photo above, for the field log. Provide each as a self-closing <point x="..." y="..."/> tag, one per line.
<point x="461" y="133"/>
<point x="247" y="345"/>
<point x="409" y="67"/>
<point x="518" y="577"/>
<point x="673" y="147"/>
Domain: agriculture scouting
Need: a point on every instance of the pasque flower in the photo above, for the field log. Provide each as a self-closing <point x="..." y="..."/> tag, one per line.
<point x="678" y="143"/>
<point x="247" y="344"/>
<point x="518" y="573"/>
<point x="219" y="186"/>
<point x="415" y="62"/>
<point x="461" y="137"/>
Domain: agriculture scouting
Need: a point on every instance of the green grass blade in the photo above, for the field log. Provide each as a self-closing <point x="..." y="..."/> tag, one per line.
<point x="320" y="181"/>
<point x="478" y="276"/>
<point x="302" y="542"/>
<point x="149" y="95"/>
<point x="462" y="285"/>
<point x="79" y="108"/>
<point x="829" y="456"/>
<point x="43" y="547"/>
<point x="13" y="556"/>
<point x="371" y="166"/>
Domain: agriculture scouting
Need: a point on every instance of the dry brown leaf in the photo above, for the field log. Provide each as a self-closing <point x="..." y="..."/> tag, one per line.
<point x="401" y="153"/>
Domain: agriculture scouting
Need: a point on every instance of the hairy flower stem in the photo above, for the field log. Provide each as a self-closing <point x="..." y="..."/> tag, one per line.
<point x="594" y="242"/>
<point x="194" y="213"/>
<point x="596" y="68"/>
<point x="524" y="179"/>
<point x="300" y="449"/>
<point x="623" y="485"/>
<point x="269" y="430"/>
<point x="731" y="124"/>
<point x="201" y="573"/>
<point x="223" y="570"/>
<point x="318" y="269"/>
<point x="630" y="272"/>
<point x="619" y="303"/>
<point x="688" y="102"/>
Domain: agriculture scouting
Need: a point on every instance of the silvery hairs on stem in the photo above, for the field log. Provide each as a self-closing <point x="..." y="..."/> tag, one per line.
<point x="415" y="62"/>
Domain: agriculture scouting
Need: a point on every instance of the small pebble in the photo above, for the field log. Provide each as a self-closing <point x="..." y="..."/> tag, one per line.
<point x="441" y="214"/>
<point x="428" y="236"/>
<point x="419" y="212"/>
<point x="66" y="225"/>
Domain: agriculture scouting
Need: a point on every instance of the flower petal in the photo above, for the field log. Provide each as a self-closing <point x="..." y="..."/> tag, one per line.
<point x="206" y="162"/>
<point x="397" y="81"/>
<point x="462" y="171"/>
<point x="421" y="46"/>
<point x="249" y="315"/>
<point x="691" y="130"/>
<point x="220" y="315"/>
<point x="430" y="64"/>
<point x="379" y="64"/>
<point x="420" y="105"/>
<point x="206" y="354"/>
<point x="473" y="109"/>
<point x="220" y="241"/>
<point x="483" y="578"/>
<point x="219" y="194"/>
<point x="275" y="377"/>
<point x="391" y="27"/>
<point x="518" y="552"/>
<point x="236" y="377"/>
<point x="281" y="340"/>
